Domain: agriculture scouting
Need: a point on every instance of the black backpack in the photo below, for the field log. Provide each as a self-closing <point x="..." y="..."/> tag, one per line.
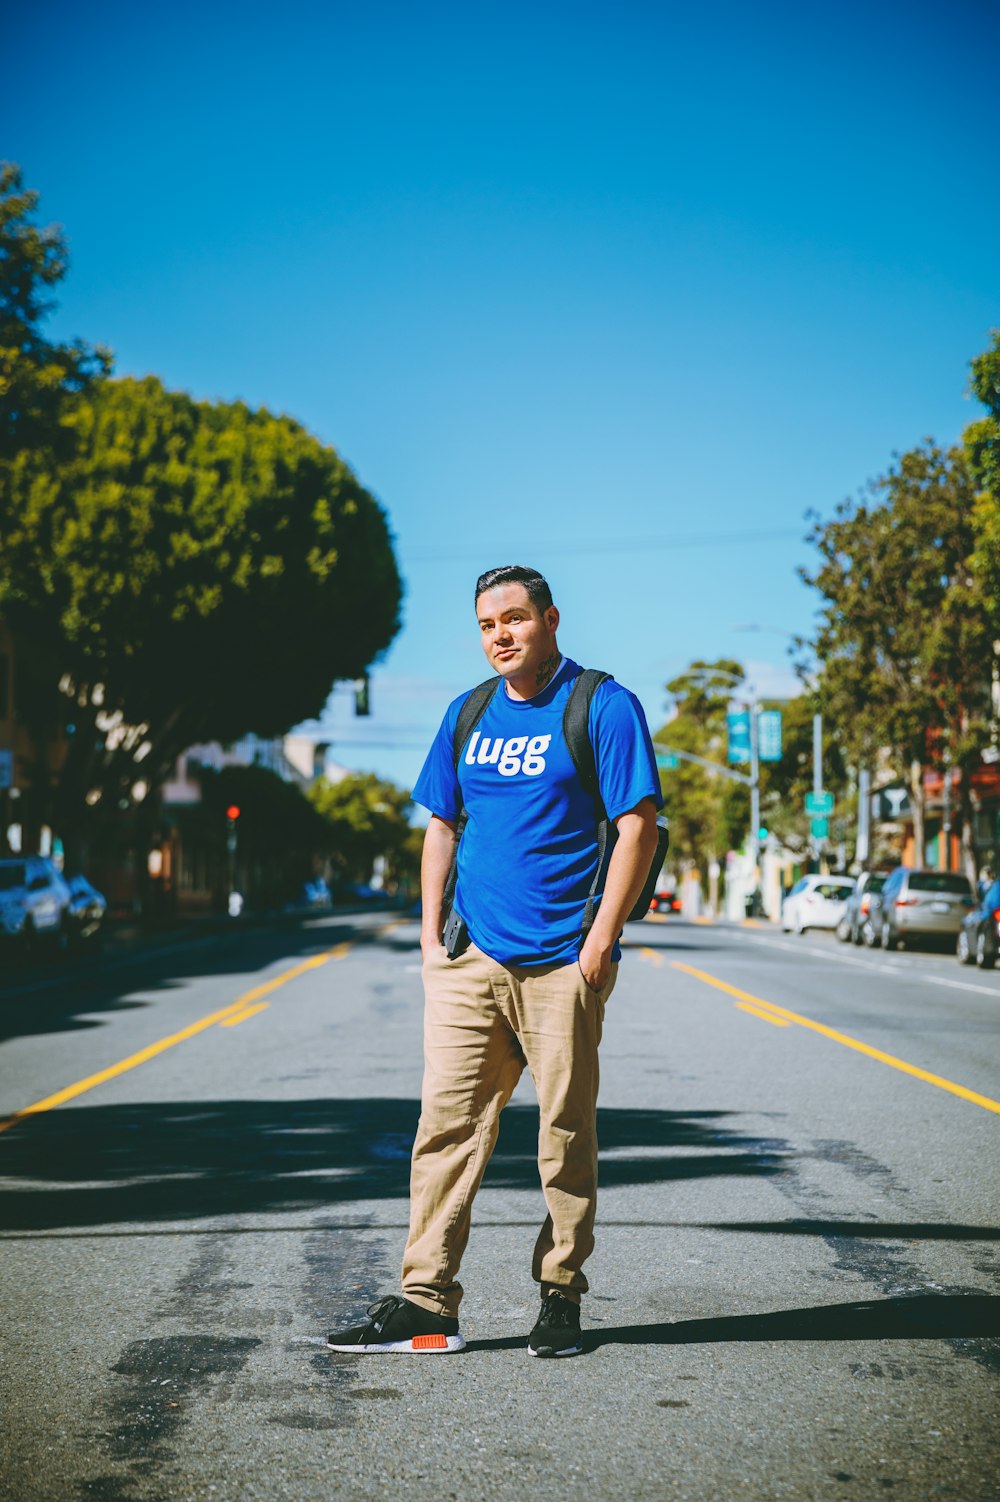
<point x="576" y="730"/>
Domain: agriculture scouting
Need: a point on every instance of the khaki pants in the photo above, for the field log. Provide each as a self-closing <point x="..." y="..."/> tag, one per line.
<point x="482" y="1023"/>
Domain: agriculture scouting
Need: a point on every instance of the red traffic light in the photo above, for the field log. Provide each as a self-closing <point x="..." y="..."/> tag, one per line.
<point x="233" y="812"/>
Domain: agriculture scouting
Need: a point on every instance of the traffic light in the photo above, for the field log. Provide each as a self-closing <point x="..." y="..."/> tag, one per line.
<point x="232" y="818"/>
<point x="763" y="833"/>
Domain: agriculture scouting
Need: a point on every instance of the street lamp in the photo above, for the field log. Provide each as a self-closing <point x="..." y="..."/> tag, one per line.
<point x="753" y="707"/>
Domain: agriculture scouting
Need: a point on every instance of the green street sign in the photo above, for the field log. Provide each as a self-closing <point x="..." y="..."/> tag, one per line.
<point x="819" y="805"/>
<point x="819" y="828"/>
<point x="667" y="760"/>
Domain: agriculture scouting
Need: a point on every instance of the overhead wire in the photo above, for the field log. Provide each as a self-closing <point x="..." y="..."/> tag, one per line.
<point x="425" y="554"/>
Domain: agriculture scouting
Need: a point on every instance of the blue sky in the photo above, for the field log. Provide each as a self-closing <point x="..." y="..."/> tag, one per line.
<point x="618" y="291"/>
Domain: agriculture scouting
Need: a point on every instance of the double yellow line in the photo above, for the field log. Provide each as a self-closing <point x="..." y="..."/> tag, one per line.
<point x="782" y="1017"/>
<point x="247" y="1006"/>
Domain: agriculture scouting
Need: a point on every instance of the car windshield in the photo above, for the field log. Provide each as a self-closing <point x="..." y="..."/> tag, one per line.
<point x="12" y="874"/>
<point x="835" y="891"/>
<point x="938" y="881"/>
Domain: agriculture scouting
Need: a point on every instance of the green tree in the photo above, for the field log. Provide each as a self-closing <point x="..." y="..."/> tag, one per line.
<point x="194" y="571"/>
<point x="282" y="840"/>
<point x="903" y="638"/>
<point x="39" y="380"/>
<point x="983" y="437"/>
<point x="367" y="817"/>
<point x="785" y="783"/>
<point x="706" y="809"/>
<point x="982" y="449"/>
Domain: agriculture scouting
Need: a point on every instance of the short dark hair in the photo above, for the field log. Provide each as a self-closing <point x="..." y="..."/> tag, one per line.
<point x="537" y="587"/>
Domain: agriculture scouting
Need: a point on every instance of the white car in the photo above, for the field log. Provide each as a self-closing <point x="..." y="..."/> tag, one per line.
<point x="816" y="902"/>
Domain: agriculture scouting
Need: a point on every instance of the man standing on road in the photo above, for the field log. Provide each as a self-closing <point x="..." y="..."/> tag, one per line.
<point x="530" y="986"/>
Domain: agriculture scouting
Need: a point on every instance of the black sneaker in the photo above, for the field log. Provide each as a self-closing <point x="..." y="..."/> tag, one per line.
<point x="557" y="1329"/>
<point x="394" y="1324"/>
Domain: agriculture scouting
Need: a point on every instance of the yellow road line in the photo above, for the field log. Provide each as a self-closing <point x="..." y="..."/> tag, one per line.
<point x="261" y="1006"/>
<point x="652" y="955"/>
<point x="844" y="1038"/>
<point x="743" y="1006"/>
<point x="234" y="1010"/>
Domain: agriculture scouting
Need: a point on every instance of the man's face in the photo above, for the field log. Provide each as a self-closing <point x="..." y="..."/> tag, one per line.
<point x="517" y="637"/>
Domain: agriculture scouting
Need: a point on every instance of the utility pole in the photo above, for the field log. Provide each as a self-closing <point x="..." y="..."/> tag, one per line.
<point x="861" y="851"/>
<point x="817" y="842"/>
<point x="754" y="795"/>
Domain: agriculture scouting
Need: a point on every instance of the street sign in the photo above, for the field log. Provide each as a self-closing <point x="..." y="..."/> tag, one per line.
<point x="890" y="804"/>
<point x="738" y="730"/>
<point x="819" y="828"/>
<point x="667" y="760"/>
<point x="819" y="804"/>
<point x="769" y="735"/>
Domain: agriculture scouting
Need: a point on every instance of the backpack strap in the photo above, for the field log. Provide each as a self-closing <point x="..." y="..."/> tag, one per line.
<point x="576" y="732"/>
<point x="471" y="712"/>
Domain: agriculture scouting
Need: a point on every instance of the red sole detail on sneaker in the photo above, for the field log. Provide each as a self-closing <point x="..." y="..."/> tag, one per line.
<point x="429" y="1342"/>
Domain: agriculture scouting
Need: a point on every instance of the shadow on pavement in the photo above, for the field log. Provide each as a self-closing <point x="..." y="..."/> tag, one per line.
<point x="919" y="1317"/>
<point x="917" y="1230"/>
<point x="148" y="1163"/>
<point x="84" y="987"/>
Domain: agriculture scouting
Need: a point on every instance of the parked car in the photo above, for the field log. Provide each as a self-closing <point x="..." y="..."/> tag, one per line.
<point x="34" y="900"/>
<point x="816" y="902"/>
<point x="855" y="926"/>
<point x="979" y="935"/>
<point x="918" y="903"/>
<point x="665" y="902"/>
<point x="313" y="895"/>
<point x="85" y="912"/>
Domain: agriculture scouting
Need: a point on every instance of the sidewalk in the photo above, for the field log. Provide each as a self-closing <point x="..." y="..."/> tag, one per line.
<point x="123" y="938"/>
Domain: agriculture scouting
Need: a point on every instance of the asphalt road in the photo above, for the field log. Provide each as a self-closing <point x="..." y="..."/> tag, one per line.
<point x="795" y="1292"/>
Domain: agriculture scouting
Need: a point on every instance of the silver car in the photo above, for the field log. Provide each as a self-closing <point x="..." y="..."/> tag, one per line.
<point x="855" y="927"/>
<point x="917" y="903"/>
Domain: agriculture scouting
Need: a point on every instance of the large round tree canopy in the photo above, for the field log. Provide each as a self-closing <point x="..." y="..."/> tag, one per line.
<point x="204" y="563"/>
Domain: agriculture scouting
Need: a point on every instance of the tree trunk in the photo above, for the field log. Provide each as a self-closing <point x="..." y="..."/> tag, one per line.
<point x="967" y="818"/>
<point x="917" y="806"/>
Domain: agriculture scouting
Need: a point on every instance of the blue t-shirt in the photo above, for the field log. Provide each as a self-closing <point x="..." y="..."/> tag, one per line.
<point x="529" y="852"/>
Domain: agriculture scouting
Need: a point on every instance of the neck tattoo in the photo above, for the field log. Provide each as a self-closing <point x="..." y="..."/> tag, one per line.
<point x="546" y="669"/>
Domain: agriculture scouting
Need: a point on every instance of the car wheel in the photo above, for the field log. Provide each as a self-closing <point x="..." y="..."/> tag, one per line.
<point x="984" y="960"/>
<point x="965" y="955"/>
